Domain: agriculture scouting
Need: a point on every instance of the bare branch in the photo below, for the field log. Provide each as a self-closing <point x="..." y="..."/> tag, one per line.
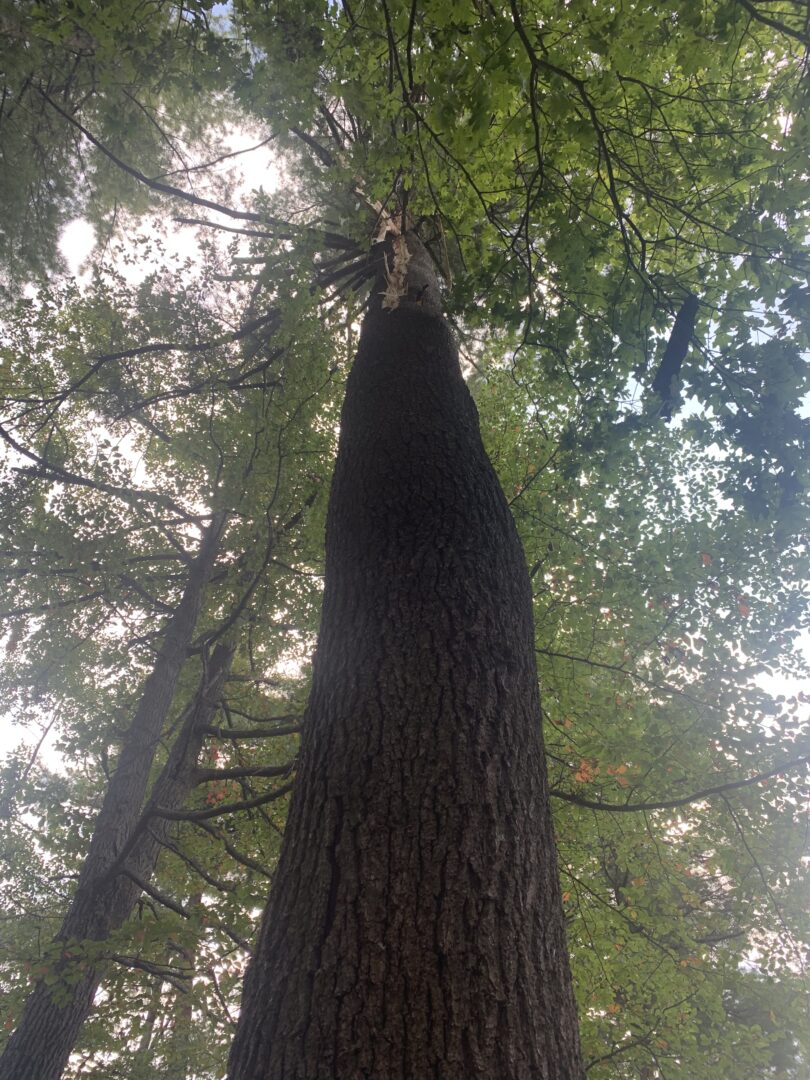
<point x="251" y="733"/>
<point x="204" y="776"/>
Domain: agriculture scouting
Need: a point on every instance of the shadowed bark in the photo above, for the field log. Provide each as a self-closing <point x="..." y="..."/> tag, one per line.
<point x="415" y="926"/>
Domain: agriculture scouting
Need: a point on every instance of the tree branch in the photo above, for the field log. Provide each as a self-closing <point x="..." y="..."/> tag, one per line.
<point x="159" y="897"/>
<point x="216" y="883"/>
<point x="226" y="808"/>
<point x="131" y="496"/>
<point x="154" y="185"/>
<point x="672" y="804"/>
<point x="675" y="354"/>
<point x="204" y="776"/>
<point x="235" y="854"/>
<point x="178" y="977"/>
<point x="251" y="733"/>
<point x="755" y="13"/>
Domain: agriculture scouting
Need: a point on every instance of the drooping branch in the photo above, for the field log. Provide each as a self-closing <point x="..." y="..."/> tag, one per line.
<point x="285" y="718"/>
<point x="291" y="230"/>
<point x="634" y="675"/>
<point x="329" y="239"/>
<point x="189" y="348"/>
<point x="178" y="977"/>
<point x="235" y="854"/>
<point x="763" y="877"/>
<point x="158" y="896"/>
<point x="684" y="800"/>
<point x="131" y="496"/>
<point x="205" y="165"/>
<point x="197" y="867"/>
<point x="154" y="185"/>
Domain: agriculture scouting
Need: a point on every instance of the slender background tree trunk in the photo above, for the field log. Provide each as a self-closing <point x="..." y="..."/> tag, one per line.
<point x="105" y="896"/>
<point x="415" y="927"/>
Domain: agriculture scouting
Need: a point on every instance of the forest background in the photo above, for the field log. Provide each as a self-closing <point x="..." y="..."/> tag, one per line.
<point x="616" y="199"/>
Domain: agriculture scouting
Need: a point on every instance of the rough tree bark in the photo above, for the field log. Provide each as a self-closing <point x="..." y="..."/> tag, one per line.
<point x="121" y="844"/>
<point x="415" y="925"/>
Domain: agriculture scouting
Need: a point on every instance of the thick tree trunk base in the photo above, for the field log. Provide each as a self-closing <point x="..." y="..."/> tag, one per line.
<point x="415" y="927"/>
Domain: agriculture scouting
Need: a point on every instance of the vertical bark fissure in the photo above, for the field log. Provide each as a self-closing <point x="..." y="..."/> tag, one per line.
<point x="334" y="868"/>
<point x="40" y="1046"/>
<point x="444" y="950"/>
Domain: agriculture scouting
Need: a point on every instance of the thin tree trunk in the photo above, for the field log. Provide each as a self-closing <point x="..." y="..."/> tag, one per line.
<point x="142" y="1054"/>
<point x="179" y="1044"/>
<point x="415" y="926"/>
<point x="105" y="896"/>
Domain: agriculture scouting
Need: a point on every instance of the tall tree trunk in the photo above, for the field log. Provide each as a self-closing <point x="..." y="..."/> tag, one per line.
<point x="415" y="925"/>
<point x="105" y="895"/>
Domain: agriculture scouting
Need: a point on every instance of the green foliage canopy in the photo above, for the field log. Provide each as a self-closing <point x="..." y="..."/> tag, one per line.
<point x="578" y="172"/>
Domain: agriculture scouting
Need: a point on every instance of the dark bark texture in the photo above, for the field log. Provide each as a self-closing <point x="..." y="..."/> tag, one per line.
<point x="415" y="926"/>
<point x="126" y="839"/>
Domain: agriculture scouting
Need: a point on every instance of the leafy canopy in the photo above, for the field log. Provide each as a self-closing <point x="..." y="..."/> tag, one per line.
<point x="585" y="176"/>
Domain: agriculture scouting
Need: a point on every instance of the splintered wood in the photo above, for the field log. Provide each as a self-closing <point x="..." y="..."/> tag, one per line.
<point x="396" y="276"/>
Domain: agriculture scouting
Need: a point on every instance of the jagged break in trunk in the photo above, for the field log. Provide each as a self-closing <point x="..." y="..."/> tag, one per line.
<point x="415" y="926"/>
<point x="105" y="894"/>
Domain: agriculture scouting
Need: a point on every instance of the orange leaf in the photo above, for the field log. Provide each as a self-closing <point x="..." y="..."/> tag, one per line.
<point x="586" y="771"/>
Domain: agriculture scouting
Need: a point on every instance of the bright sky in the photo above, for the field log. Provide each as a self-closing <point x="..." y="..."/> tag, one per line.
<point x="257" y="168"/>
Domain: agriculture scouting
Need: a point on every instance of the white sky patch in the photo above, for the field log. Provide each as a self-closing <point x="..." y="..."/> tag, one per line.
<point x="259" y="166"/>
<point x="790" y="686"/>
<point x="255" y="169"/>
<point x="252" y="166"/>
<point x="76" y="244"/>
